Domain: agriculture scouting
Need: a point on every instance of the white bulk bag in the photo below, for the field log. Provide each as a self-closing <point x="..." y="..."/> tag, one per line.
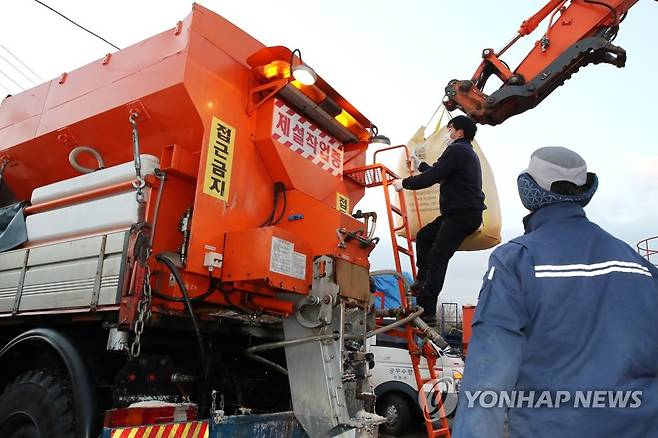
<point x="429" y="150"/>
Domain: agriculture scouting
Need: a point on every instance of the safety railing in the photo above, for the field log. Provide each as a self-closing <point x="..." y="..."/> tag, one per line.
<point x="648" y="248"/>
<point x="407" y="157"/>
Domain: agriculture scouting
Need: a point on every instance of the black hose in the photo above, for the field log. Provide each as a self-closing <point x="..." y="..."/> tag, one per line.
<point x="232" y="305"/>
<point x="211" y="288"/>
<point x="612" y="10"/>
<point x="279" y="187"/>
<point x="174" y="271"/>
<point x="275" y="201"/>
<point x="283" y="210"/>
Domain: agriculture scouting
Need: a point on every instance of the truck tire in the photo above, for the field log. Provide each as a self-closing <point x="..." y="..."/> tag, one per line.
<point x="396" y="409"/>
<point x="37" y="404"/>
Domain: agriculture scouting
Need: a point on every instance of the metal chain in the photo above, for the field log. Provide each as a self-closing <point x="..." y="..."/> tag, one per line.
<point x="3" y="165"/>
<point x="144" y="314"/>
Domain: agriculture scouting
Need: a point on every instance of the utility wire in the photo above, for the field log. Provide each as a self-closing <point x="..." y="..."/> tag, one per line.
<point x="22" y="63"/>
<point x="13" y="81"/>
<point x="18" y="70"/>
<point x="80" y="26"/>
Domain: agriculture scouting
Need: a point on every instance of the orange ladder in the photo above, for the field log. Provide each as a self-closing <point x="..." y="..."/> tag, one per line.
<point x="376" y="175"/>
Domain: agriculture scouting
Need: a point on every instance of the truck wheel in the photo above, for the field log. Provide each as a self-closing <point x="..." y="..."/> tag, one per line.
<point x="396" y="409"/>
<point x="38" y="404"/>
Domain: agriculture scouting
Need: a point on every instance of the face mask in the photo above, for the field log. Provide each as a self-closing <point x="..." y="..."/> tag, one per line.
<point x="447" y="139"/>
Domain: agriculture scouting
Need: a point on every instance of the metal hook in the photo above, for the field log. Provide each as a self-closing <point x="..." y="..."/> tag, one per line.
<point x="139" y="183"/>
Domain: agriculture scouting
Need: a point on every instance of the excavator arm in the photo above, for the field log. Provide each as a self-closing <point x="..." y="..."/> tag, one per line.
<point x="579" y="33"/>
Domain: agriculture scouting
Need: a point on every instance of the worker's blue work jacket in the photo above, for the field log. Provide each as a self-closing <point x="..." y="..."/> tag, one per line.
<point x="564" y="308"/>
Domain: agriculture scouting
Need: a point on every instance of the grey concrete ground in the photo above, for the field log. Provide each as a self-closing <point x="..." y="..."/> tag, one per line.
<point x="418" y="431"/>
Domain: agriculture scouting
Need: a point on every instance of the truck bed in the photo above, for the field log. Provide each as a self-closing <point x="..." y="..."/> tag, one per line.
<point x="77" y="275"/>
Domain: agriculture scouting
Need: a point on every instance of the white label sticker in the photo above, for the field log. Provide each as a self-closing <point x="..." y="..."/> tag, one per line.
<point x="284" y="260"/>
<point x="299" y="265"/>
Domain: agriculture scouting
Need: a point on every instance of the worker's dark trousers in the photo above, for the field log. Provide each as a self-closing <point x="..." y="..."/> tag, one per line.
<point x="436" y="243"/>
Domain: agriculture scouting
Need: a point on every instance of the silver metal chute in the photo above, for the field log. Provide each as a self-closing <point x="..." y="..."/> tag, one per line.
<point x="329" y="382"/>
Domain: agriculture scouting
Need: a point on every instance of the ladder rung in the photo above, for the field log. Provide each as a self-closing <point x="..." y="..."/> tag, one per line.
<point x="401" y="227"/>
<point x="394" y="209"/>
<point x="404" y="251"/>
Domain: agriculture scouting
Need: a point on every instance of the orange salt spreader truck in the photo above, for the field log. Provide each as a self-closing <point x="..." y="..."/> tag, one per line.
<point x="177" y="240"/>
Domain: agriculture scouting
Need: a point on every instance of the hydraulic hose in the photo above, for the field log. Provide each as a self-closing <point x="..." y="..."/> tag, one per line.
<point x="407" y="319"/>
<point x="73" y="156"/>
<point x="279" y="188"/>
<point x="425" y="329"/>
<point x="174" y="271"/>
<point x="431" y="334"/>
<point x="269" y="363"/>
<point x="396" y="274"/>
<point x="211" y="288"/>
<point x="251" y="351"/>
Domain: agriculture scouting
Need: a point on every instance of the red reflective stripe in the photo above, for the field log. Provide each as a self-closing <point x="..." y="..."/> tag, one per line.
<point x="181" y="428"/>
<point x="200" y="430"/>
<point x="204" y="430"/>
<point x="140" y="432"/>
<point x="126" y="432"/>
<point x="192" y="433"/>
<point x="167" y="430"/>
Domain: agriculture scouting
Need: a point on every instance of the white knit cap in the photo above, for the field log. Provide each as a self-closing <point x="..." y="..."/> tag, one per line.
<point x="556" y="163"/>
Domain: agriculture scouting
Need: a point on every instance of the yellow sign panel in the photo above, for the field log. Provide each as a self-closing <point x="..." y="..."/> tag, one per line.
<point x="342" y="203"/>
<point x="219" y="160"/>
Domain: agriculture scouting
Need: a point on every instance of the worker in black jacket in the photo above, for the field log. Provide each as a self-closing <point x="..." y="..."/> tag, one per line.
<point x="461" y="201"/>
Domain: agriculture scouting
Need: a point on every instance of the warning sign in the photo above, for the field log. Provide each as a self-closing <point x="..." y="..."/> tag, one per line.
<point x="285" y="260"/>
<point x="219" y="160"/>
<point x="296" y="132"/>
<point x="342" y="203"/>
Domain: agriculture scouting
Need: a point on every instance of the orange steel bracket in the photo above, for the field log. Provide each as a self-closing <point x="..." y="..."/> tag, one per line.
<point x="260" y="58"/>
<point x="179" y="161"/>
<point x="137" y="106"/>
<point x="256" y="99"/>
<point x="355" y="150"/>
<point x="490" y="59"/>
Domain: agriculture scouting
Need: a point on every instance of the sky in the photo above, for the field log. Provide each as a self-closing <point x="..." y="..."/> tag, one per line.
<point x="392" y="60"/>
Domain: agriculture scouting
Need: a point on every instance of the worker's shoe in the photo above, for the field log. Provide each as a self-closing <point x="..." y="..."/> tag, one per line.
<point x="429" y="309"/>
<point x="416" y="286"/>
